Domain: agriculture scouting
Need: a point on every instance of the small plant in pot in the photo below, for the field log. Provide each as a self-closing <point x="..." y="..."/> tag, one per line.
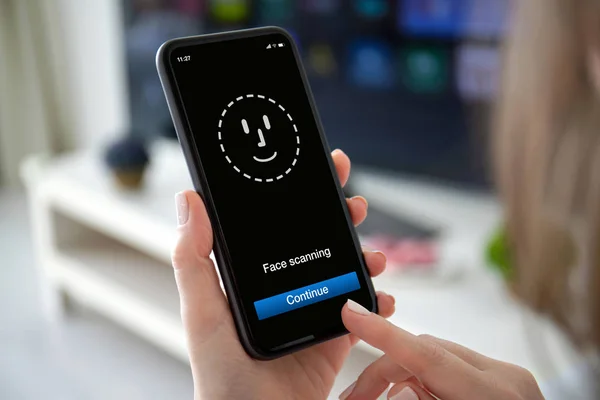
<point x="128" y="159"/>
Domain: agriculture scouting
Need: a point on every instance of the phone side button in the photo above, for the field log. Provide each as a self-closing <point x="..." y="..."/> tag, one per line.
<point x="306" y="295"/>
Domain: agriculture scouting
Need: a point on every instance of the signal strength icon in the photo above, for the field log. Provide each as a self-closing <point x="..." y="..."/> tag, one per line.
<point x="268" y="46"/>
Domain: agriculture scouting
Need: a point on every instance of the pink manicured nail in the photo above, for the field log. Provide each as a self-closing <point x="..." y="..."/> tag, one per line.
<point x="357" y="308"/>
<point x="183" y="209"/>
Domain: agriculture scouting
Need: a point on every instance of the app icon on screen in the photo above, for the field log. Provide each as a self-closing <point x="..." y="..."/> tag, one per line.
<point x="486" y="18"/>
<point x="371" y="9"/>
<point x="321" y="59"/>
<point x="370" y="64"/>
<point x="424" y="69"/>
<point x="321" y="6"/>
<point x="431" y="17"/>
<point x="477" y="72"/>
<point x="230" y="10"/>
<point x="275" y="10"/>
<point x="192" y="8"/>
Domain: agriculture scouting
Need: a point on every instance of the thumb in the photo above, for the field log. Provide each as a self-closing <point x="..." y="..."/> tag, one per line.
<point x="203" y="303"/>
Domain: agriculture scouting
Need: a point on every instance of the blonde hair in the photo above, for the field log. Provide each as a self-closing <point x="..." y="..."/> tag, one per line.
<point x="547" y="156"/>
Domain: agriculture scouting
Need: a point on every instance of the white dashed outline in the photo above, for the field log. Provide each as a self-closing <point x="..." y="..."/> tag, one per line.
<point x="278" y="177"/>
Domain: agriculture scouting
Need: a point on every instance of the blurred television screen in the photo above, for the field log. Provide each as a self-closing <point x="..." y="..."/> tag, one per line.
<point x="400" y="85"/>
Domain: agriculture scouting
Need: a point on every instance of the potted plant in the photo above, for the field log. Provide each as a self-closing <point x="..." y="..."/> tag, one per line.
<point x="128" y="159"/>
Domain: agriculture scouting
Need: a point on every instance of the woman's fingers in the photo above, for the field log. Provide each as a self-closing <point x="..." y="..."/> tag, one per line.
<point x="376" y="261"/>
<point x="443" y="373"/>
<point x="357" y="206"/>
<point x="477" y="360"/>
<point x="342" y="165"/>
<point x="376" y="378"/>
<point x="203" y="303"/>
<point x="409" y="390"/>
<point x="386" y="306"/>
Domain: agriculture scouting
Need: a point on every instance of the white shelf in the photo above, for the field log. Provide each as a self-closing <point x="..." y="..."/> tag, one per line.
<point x="80" y="186"/>
<point x="109" y="248"/>
<point x="129" y="287"/>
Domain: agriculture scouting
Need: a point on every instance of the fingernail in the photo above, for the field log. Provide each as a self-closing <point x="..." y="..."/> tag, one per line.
<point x="337" y="151"/>
<point x="357" y="308"/>
<point x="381" y="253"/>
<point x="347" y="392"/>
<point x="382" y="293"/>
<point x="392" y="298"/>
<point x="405" y="394"/>
<point x="183" y="210"/>
<point x="362" y="199"/>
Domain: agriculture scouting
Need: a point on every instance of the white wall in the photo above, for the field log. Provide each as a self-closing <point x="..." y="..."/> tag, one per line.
<point x="95" y="58"/>
<point x="25" y="126"/>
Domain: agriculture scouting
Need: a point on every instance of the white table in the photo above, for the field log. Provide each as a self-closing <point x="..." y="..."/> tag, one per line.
<point x="110" y="250"/>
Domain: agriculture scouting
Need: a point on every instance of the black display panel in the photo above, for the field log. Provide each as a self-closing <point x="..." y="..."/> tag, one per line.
<point x="288" y="240"/>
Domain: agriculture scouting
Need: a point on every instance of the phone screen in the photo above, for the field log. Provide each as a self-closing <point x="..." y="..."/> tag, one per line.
<point x="287" y="238"/>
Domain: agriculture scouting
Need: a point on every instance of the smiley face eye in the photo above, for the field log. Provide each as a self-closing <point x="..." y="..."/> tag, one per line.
<point x="265" y="120"/>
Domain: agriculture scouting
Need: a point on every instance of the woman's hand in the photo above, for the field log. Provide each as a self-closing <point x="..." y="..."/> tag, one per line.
<point x="424" y="367"/>
<point x="220" y="367"/>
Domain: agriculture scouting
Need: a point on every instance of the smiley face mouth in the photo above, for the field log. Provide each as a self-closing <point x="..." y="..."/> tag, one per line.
<point x="265" y="159"/>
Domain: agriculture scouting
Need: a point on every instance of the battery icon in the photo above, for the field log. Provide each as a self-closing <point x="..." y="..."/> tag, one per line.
<point x="280" y="45"/>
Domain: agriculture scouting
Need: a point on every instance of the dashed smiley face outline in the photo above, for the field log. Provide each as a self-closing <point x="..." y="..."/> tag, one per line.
<point x="232" y="163"/>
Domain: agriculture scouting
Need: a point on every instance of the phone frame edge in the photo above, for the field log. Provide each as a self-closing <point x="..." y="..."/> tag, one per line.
<point x="196" y="171"/>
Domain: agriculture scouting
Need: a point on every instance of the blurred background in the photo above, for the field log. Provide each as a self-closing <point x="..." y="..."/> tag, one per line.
<point x="89" y="164"/>
<point x="377" y="68"/>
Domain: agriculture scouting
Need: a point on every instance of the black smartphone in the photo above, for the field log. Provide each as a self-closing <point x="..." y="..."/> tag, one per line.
<point x="285" y="244"/>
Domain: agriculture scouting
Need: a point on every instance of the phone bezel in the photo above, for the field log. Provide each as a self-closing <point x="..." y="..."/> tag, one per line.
<point x="187" y="142"/>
